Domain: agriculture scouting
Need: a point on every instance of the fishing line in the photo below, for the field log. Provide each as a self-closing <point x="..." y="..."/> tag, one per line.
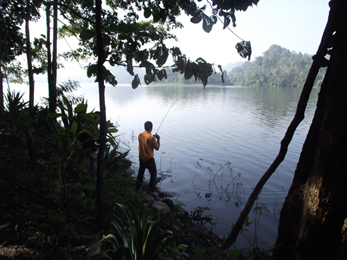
<point x="164" y="117"/>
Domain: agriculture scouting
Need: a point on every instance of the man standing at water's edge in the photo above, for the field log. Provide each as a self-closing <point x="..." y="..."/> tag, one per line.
<point x="147" y="144"/>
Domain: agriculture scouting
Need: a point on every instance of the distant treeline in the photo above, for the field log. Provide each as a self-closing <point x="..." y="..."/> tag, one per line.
<point x="278" y="67"/>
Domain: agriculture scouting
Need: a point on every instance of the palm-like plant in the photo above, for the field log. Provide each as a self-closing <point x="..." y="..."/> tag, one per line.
<point x="138" y="239"/>
<point x="16" y="114"/>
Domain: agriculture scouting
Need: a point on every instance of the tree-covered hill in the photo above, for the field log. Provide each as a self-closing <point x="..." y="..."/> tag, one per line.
<point x="278" y="67"/>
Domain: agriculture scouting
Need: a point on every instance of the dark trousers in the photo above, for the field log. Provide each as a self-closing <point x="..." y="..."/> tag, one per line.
<point x="150" y="165"/>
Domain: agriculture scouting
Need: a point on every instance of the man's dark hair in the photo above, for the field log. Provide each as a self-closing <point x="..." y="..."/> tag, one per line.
<point x="148" y="126"/>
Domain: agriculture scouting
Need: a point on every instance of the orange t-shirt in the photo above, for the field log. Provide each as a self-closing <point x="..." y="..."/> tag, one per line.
<point x="147" y="144"/>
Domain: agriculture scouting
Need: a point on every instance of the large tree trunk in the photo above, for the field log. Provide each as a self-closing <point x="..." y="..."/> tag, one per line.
<point x="313" y="221"/>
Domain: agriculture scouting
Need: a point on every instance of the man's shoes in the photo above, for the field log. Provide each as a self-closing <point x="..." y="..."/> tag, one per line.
<point x="153" y="193"/>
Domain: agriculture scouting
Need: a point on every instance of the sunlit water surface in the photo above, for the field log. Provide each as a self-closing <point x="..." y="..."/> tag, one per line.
<point x="215" y="145"/>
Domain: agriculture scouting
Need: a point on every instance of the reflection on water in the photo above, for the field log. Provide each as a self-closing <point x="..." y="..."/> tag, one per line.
<point x="215" y="145"/>
<point x="222" y="183"/>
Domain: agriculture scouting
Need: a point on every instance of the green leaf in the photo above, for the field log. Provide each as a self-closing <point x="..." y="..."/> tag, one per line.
<point x="203" y="78"/>
<point x="92" y="70"/>
<point x="244" y="49"/>
<point x="234" y="254"/>
<point x="81" y="107"/>
<point x="163" y="54"/>
<point x="214" y="19"/>
<point x="183" y="247"/>
<point x="147" y="12"/>
<point x="74" y="127"/>
<point x="68" y="105"/>
<point x="175" y="11"/>
<point x="175" y="51"/>
<point x="109" y="77"/>
<point x="161" y="74"/>
<point x="196" y="19"/>
<point x="86" y="35"/>
<point x="112" y="130"/>
<point x="37" y="70"/>
<point x="176" y="227"/>
<point x="54" y="115"/>
<point x="199" y="253"/>
<point x="207" y="24"/>
<point x="187" y="73"/>
<point x="226" y="21"/>
<point x="148" y="79"/>
<point x="156" y="15"/>
<point x="136" y="82"/>
<point x="163" y="16"/>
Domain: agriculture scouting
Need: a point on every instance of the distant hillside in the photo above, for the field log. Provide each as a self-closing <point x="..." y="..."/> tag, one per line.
<point x="232" y="65"/>
<point x="278" y="67"/>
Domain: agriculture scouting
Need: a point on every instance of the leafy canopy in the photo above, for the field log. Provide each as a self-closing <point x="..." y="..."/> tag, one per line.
<point x="130" y="41"/>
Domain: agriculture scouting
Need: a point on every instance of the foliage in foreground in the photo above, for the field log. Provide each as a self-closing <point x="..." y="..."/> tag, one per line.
<point x="138" y="239"/>
<point x="56" y="152"/>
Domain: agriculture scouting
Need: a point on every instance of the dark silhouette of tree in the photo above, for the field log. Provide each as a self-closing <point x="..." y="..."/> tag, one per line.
<point x="101" y="59"/>
<point x="29" y="55"/>
<point x="52" y="54"/>
<point x="12" y="40"/>
<point x="313" y="219"/>
<point x="31" y="12"/>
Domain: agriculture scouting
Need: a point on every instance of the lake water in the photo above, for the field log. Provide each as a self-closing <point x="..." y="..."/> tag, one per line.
<point x="215" y="145"/>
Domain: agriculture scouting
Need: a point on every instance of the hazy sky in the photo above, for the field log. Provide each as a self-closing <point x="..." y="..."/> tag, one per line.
<point x="296" y="25"/>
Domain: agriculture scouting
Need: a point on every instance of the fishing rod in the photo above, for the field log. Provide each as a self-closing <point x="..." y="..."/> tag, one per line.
<point x="165" y="117"/>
